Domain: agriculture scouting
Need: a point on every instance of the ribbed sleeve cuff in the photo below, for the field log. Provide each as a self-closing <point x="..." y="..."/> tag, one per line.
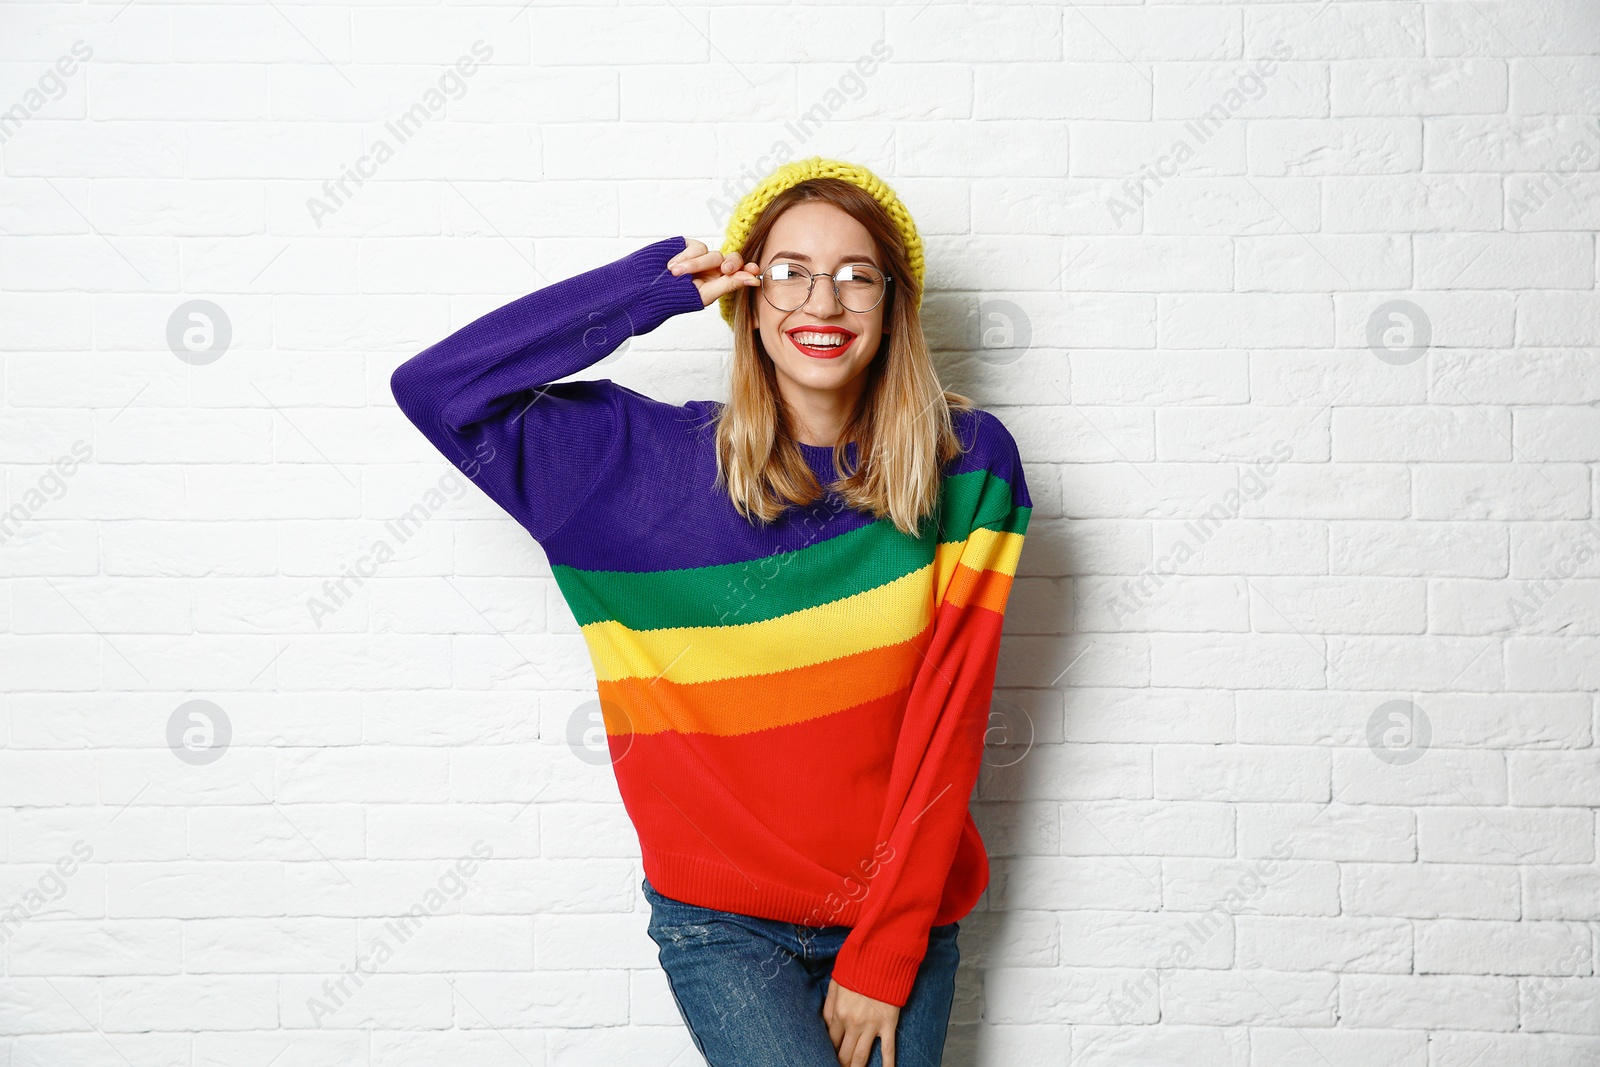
<point x="878" y="972"/>
<point x="662" y="294"/>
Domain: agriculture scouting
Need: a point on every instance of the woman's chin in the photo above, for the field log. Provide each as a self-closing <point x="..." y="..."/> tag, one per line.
<point x="819" y="374"/>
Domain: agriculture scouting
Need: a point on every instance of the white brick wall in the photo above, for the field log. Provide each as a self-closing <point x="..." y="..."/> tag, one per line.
<point x="1206" y="849"/>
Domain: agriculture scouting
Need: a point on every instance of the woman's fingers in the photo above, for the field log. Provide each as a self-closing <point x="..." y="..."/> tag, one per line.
<point x="855" y="1023"/>
<point x="685" y="264"/>
<point x="696" y="258"/>
<point x="846" y="1051"/>
<point x="715" y="273"/>
<point x="713" y="288"/>
<point x="691" y="262"/>
<point x="856" y="1049"/>
<point x="691" y="249"/>
<point x="830" y="1015"/>
<point x="863" y="1034"/>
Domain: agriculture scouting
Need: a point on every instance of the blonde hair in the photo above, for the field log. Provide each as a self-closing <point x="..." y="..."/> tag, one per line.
<point x="902" y="427"/>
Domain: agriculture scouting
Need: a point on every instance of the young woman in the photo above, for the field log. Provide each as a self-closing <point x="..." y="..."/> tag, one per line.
<point x="792" y="602"/>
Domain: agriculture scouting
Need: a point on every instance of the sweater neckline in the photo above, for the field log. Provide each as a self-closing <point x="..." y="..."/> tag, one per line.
<point x="820" y="449"/>
<point x="820" y="459"/>
<point x="821" y="456"/>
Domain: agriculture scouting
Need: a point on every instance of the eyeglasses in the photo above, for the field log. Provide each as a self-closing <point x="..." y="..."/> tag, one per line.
<point x="858" y="287"/>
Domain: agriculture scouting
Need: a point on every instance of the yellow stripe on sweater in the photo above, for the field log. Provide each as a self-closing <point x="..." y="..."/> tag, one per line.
<point x="844" y="627"/>
<point x="889" y="614"/>
<point x="983" y="550"/>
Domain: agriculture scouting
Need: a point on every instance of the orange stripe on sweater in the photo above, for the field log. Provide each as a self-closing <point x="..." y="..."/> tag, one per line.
<point x="748" y="703"/>
<point x="760" y="701"/>
<point x="978" y="588"/>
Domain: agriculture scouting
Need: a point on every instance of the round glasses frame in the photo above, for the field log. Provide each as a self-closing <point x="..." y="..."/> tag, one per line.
<point x="811" y="286"/>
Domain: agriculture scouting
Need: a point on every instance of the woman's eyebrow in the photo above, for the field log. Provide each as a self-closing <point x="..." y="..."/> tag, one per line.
<point x="802" y="257"/>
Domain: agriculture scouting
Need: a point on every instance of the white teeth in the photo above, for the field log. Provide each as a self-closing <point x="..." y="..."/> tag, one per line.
<point x="819" y="340"/>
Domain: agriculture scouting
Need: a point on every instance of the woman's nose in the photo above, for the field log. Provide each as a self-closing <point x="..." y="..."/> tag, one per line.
<point x="824" y="297"/>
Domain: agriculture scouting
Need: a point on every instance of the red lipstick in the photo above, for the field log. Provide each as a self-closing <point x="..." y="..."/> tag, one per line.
<point x="821" y="352"/>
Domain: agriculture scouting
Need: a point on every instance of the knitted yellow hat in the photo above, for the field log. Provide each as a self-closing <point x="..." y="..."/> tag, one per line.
<point x="791" y="174"/>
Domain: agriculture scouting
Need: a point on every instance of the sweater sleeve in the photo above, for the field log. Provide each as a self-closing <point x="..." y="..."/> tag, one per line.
<point x="483" y="395"/>
<point x="940" y="747"/>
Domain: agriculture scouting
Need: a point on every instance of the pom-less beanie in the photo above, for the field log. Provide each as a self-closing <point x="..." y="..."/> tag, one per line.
<point x="791" y="174"/>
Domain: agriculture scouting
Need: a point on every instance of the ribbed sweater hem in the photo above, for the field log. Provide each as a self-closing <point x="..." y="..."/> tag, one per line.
<point x="696" y="880"/>
<point x="876" y="970"/>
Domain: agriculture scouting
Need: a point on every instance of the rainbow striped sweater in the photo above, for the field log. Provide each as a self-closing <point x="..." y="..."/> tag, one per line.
<point x="796" y="711"/>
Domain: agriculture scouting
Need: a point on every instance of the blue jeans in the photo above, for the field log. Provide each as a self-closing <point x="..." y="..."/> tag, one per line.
<point x="751" y="990"/>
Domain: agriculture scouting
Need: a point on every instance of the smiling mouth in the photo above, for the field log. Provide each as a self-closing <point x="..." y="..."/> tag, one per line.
<point x="821" y="343"/>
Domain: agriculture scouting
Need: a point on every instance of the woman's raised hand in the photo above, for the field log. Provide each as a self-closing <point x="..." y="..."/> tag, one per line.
<point x="714" y="273"/>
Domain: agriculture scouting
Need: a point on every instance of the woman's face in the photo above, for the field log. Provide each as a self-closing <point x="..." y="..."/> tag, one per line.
<point x="821" y="238"/>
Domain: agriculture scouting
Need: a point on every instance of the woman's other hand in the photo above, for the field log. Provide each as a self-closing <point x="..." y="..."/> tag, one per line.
<point x="854" y="1020"/>
<point x="714" y="273"/>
